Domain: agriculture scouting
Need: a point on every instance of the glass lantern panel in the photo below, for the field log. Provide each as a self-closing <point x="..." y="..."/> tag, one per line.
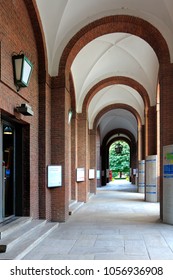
<point x="18" y="67"/>
<point x="26" y="72"/>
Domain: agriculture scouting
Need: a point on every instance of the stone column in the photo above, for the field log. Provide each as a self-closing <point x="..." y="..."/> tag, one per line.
<point x="141" y="180"/>
<point x="151" y="178"/>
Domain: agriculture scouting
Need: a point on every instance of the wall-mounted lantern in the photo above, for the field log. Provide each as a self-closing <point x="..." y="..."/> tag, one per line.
<point x="70" y="114"/>
<point x="118" y="148"/>
<point x="22" y="69"/>
<point x="25" y="109"/>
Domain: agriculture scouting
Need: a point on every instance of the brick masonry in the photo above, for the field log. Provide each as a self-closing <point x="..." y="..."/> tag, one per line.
<point x="51" y="140"/>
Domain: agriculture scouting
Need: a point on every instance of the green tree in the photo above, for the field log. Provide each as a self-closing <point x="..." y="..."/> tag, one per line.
<point x="119" y="163"/>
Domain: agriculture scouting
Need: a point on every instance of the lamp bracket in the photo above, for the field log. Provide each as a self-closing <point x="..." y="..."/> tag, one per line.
<point x="25" y="109"/>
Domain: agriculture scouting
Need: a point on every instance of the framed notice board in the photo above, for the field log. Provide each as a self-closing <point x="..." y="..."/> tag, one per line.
<point x="91" y="173"/>
<point x="80" y="174"/>
<point x="54" y="176"/>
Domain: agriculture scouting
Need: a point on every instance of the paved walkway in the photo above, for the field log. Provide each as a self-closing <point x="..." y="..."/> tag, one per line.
<point x="115" y="224"/>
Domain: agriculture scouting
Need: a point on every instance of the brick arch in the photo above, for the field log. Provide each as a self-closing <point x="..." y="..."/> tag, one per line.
<point x="131" y="143"/>
<point x="121" y="131"/>
<point x="112" y="24"/>
<point x="115" y="81"/>
<point x="119" y="139"/>
<point x="39" y="37"/>
<point x="105" y="148"/>
<point x="117" y="106"/>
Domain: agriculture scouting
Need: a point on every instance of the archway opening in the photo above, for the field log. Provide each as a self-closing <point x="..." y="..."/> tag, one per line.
<point x="119" y="160"/>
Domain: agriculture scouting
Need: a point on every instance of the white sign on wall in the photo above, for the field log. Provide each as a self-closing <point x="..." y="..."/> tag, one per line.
<point x="80" y="174"/>
<point x="98" y="174"/>
<point x="91" y="173"/>
<point x="54" y="176"/>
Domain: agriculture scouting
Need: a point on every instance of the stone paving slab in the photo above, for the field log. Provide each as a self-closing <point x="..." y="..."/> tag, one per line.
<point x="96" y="250"/>
<point x="154" y="240"/>
<point x="120" y="257"/>
<point x="109" y="243"/>
<point x="67" y="257"/>
<point x="115" y="224"/>
<point x="135" y="247"/>
<point x="157" y="253"/>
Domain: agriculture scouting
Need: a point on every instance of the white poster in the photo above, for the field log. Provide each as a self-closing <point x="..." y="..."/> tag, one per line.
<point x="141" y="182"/>
<point x="98" y="174"/>
<point x="91" y="173"/>
<point x="54" y="176"/>
<point x="151" y="178"/>
<point x="80" y="174"/>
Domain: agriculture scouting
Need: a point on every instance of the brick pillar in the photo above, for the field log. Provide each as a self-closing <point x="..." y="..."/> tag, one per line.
<point x="98" y="157"/>
<point x="61" y="151"/>
<point x="133" y="161"/>
<point x="139" y="142"/>
<point x="105" y="164"/>
<point x="152" y="131"/>
<point x="82" y="155"/>
<point x="145" y="136"/>
<point x="93" y="163"/>
<point x="144" y="151"/>
<point x="44" y="148"/>
<point x="166" y="117"/>
<point x="74" y="194"/>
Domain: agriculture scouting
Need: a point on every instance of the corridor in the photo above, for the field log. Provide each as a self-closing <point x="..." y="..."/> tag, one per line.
<point x="115" y="224"/>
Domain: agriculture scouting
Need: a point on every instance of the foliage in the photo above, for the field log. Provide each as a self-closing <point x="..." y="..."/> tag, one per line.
<point x="119" y="163"/>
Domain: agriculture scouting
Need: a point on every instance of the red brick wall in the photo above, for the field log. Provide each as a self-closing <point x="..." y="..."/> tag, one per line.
<point x="16" y="35"/>
<point x="44" y="148"/>
<point x="51" y="102"/>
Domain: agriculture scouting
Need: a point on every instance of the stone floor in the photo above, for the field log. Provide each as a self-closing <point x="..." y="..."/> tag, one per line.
<point x="115" y="224"/>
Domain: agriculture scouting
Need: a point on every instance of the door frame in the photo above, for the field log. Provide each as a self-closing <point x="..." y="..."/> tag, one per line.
<point x="5" y="122"/>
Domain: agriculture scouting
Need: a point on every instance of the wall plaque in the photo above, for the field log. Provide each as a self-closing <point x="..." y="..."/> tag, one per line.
<point x="80" y="174"/>
<point x="54" y="176"/>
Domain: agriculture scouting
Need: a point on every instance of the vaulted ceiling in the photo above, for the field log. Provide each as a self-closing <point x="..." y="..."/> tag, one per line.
<point x="111" y="55"/>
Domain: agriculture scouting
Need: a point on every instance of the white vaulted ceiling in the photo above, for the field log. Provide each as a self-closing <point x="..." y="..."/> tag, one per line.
<point x="117" y="54"/>
<point x="111" y="55"/>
